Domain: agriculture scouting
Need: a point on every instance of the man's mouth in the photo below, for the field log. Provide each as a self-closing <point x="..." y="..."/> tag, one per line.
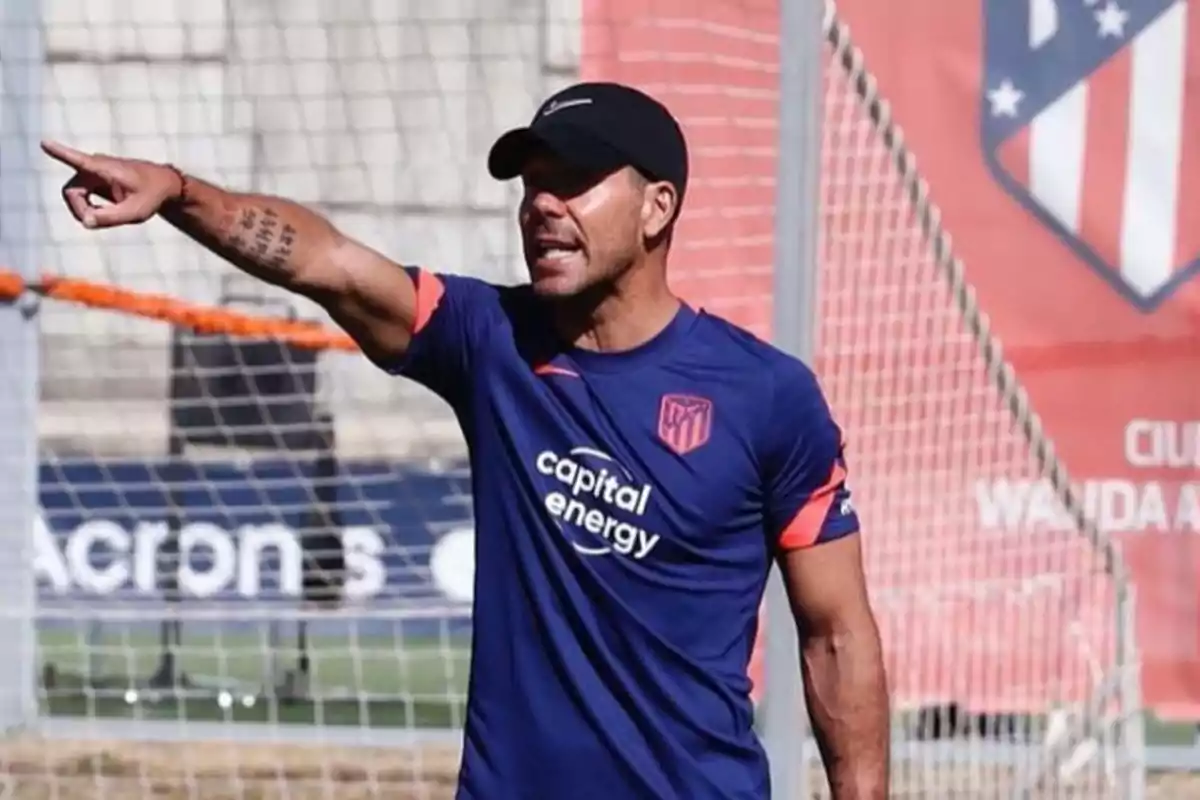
<point x="550" y="251"/>
<point x="556" y="253"/>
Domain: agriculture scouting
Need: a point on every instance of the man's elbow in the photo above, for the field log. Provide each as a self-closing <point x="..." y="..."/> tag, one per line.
<point x="845" y="625"/>
<point x="324" y="275"/>
<point x="840" y="637"/>
<point x="845" y="648"/>
<point x="849" y="705"/>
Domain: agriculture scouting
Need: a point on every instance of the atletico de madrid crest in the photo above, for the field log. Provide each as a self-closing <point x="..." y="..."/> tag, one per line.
<point x="684" y="422"/>
<point x="1090" y="119"/>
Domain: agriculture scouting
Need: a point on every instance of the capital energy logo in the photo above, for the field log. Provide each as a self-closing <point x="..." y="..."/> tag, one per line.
<point x="597" y="502"/>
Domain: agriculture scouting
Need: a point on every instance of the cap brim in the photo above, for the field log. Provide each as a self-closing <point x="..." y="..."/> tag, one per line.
<point x="575" y="146"/>
<point x="510" y="152"/>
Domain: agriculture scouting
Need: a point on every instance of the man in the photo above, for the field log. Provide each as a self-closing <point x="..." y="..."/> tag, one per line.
<point x="637" y="464"/>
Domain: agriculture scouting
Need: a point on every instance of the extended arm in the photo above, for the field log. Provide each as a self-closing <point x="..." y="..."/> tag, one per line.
<point x="288" y="245"/>
<point x="273" y="239"/>
<point x="842" y="662"/>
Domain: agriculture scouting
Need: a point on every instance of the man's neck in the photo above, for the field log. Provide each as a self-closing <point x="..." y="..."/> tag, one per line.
<point x="624" y="318"/>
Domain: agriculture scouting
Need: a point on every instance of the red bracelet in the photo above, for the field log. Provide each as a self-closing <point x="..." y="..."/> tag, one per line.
<point x="183" y="183"/>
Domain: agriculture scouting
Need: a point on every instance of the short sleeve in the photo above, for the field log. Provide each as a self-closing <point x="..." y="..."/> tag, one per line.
<point x="807" y="497"/>
<point x="453" y="317"/>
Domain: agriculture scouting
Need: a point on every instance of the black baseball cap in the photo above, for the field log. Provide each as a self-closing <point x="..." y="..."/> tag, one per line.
<point x="599" y="127"/>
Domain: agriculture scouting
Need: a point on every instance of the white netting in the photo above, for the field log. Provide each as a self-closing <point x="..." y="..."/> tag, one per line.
<point x="380" y="112"/>
<point x="993" y="620"/>
<point x="377" y="113"/>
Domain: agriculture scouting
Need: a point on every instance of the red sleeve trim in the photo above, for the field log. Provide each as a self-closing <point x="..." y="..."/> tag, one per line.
<point x="430" y="290"/>
<point x="805" y="528"/>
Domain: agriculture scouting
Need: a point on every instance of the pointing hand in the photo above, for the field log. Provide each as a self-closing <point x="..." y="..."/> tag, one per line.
<point x="134" y="190"/>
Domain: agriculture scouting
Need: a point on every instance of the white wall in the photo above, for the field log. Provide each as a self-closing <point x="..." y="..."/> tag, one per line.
<point x="379" y="112"/>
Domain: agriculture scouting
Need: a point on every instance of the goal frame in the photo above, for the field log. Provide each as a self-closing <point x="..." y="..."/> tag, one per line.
<point x="21" y="49"/>
<point x="793" y="329"/>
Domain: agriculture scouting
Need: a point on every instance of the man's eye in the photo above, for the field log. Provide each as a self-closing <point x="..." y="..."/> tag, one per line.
<point x="567" y="184"/>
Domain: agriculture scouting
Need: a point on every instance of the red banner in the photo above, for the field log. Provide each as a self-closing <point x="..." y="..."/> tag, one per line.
<point x="1057" y="138"/>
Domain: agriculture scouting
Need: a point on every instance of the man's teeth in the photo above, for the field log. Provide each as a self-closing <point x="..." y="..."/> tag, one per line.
<point x="557" y="252"/>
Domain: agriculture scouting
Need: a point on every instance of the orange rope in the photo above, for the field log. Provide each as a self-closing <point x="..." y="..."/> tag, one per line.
<point x="314" y="336"/>
<point x="199" y="318"/>
<point x="11" y="285"/>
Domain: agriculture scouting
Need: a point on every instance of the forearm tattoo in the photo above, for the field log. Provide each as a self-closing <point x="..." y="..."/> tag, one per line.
<point x="258" y="237"/>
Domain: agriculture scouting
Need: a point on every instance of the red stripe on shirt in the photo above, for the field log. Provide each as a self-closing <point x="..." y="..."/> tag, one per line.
<point x="550" y="369"/>
<point x="805" y="528"/>
<point x="429" y="289"/>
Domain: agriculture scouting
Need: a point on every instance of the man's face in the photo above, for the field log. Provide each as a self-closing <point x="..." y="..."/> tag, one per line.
<point x="579" y="229"/>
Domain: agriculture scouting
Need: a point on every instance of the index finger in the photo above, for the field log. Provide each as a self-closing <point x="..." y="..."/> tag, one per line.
<point x="66" y="154"/>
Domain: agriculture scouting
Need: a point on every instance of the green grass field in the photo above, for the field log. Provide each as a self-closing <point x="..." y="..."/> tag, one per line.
<point x="377" y="681"/>
<point x="402" y="682"/>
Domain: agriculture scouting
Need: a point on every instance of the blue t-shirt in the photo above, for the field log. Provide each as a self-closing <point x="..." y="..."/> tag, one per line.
<point x="627" y="509"/>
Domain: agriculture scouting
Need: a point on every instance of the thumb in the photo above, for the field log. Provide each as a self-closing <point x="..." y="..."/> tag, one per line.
<point x="134" y="208"/>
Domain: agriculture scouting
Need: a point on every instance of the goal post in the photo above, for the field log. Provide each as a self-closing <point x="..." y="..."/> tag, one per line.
<point x="20" y="93"/>
<point x="179" y="643"/>
<point x="795" y="309"/>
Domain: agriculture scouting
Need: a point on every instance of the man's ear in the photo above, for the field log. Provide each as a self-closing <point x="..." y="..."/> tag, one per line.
<point x="658" y="208"/>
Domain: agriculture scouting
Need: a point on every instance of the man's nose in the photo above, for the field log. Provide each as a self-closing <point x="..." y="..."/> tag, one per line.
<point x="547" y="203"/>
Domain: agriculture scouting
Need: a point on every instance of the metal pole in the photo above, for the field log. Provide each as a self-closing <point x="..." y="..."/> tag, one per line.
<point x="21" y="64"/>
<point x="801" y="51"/>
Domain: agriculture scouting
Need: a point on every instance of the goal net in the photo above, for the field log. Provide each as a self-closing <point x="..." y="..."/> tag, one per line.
<point x="254" y="558"/>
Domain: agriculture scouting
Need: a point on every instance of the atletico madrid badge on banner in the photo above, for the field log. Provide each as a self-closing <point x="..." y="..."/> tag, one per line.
<point x="1085" y="121"/>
